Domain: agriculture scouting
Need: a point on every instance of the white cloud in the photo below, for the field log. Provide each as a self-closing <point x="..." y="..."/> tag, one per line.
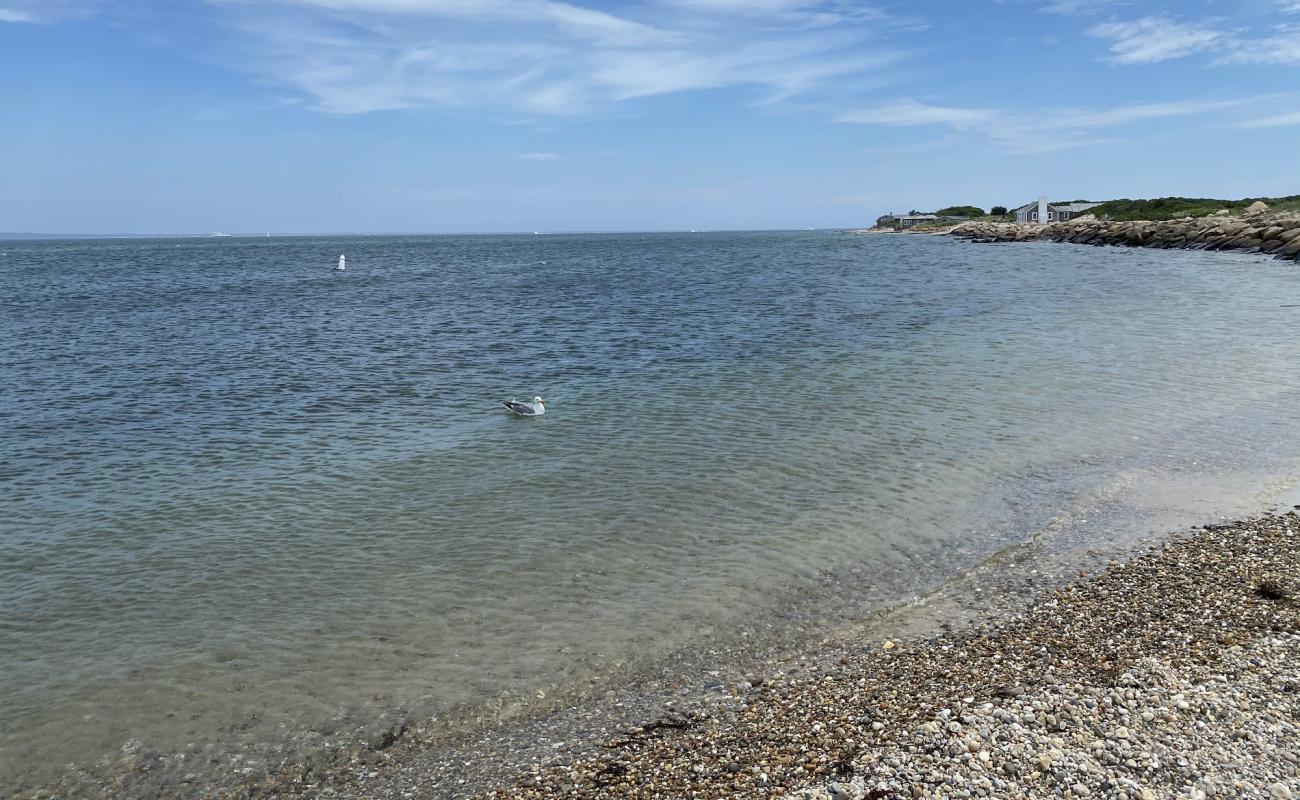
<point x="1036" y="130"/>
<point x="911" y="112"/>
<point x="801" y="13"/>
<point x="1289" y="6"/>
<point x="1079" y="119"/>
<point x="537" y="156"/>
<point x="1151" y="39"/>
<point x="747" y="6"/>
<point x="1080" y="7"/>
<point x="45" y="10"/>
<point x="1282" y="48"/>
<point x="577" y="21"/>
<point x="540" y="56"/>
<point x="1278" y="121"/>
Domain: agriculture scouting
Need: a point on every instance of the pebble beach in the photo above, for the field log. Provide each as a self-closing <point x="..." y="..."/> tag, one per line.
<point x="1175" y="673"/>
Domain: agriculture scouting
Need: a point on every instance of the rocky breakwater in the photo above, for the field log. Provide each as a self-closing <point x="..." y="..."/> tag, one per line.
<point x="1256" y="230"/>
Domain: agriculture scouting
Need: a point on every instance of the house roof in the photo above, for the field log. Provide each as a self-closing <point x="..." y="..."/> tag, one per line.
<point x="1071" y="207"/>
<point x="1074" y="207"/>
<point x="918" y="216"/>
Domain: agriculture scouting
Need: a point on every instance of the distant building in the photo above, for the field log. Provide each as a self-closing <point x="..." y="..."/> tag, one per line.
<point x="901" y="221"/>
<point x="908" y="220"/>
<point x="1056" y="212"/>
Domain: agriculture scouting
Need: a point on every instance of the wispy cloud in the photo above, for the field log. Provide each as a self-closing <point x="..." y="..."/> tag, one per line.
<point x="547" y="56"/>
<point x="1151" y="39"/>
<point x="577" y="21"/>
<point x="537" y="156"/>
<point x="1281" y="48"/>
<point x="1080" y="7"/>
<point x="912" y="112"/>
<point x="41" y="11"/>
<point x="804" y="13"/>
<point x="1277" y="121"/>
<point x="1036" y="130"/>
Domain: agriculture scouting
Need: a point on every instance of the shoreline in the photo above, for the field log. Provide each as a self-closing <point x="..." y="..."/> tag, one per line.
<point x="539" y="757"/>
<point x="1173" y="673"/>
<point x="1132" y="681"/>
<point x="1255" y="231"/>
<point x="479" y="755"/>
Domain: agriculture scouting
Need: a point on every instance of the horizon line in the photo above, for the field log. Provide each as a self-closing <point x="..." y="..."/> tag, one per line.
<point x="29" y="235"/>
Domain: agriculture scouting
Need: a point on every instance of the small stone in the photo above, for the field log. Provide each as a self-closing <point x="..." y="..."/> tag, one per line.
<point x="1280" y="791"/>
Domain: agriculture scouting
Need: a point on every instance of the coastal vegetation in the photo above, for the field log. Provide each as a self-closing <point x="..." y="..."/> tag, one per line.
<point x="960" y="211"/>
<point x="1164" y="208"/>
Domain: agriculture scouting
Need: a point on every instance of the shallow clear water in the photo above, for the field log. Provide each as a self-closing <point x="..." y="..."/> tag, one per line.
<point x="242" y="491"/>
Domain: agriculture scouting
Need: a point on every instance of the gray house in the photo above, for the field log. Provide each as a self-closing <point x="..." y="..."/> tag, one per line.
<point x="1054" y="212"/>
<point x="908" y="220"/>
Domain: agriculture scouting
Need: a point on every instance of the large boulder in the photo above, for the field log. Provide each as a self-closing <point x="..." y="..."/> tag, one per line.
<point x="1257" y="207"/>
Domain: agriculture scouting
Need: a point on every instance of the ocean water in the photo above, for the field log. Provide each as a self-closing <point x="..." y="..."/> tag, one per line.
<point x="242" y="494"/>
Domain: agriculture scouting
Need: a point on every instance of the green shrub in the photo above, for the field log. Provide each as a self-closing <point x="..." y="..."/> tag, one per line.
<point x="1174" y="207"/>
<point x="960" y="211"/>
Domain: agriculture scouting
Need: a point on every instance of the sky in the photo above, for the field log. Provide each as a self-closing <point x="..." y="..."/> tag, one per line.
<point x="300" y="116"/>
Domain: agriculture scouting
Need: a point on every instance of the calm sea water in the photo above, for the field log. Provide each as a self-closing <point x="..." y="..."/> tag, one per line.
<point x="242" y="491"/>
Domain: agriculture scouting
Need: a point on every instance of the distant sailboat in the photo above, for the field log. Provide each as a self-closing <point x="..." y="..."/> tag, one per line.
<point x="343" y="263"/>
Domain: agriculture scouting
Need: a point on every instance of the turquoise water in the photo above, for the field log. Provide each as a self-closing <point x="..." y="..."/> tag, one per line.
<point x="242" y="491"/>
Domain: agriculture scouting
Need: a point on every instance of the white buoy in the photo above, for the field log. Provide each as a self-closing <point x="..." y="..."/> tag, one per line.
<point x="343" y="263"/>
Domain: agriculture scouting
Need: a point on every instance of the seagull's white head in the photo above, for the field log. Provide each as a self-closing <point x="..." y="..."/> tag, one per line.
<point x="537" y="400"/>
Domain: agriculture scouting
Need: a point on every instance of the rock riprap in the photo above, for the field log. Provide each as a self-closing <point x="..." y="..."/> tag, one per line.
<point x="1257" y="230"/>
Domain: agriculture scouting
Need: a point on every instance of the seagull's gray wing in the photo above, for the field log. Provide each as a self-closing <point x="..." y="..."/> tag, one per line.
<point x="519" y="408"/>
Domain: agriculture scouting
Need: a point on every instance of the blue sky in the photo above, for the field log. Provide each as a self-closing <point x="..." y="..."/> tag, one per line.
<point x="163" y="116"/>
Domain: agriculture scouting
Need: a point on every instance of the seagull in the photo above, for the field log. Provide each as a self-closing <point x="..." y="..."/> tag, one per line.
<point x="526" y="409"/>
